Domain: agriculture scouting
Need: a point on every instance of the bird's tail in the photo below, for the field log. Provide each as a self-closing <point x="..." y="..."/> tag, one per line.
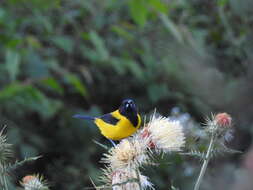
<point x="83" y="117"/>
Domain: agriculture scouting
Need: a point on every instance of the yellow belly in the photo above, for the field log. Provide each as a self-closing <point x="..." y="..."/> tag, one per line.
<point x="122" y="129"/>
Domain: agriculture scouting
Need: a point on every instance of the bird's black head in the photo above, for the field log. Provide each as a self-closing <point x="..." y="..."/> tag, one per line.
<point x="128" y="107"/>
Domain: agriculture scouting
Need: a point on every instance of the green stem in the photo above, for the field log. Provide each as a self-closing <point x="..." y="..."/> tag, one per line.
<point x="5" y="183"/>
<point x="204" y="166"/>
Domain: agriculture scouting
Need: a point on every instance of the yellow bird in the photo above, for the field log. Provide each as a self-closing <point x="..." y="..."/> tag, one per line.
<point x="118" y="124"/>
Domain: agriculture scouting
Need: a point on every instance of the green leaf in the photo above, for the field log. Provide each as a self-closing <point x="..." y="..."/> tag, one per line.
<point x="222" y="2"/>
<point x="11" y="90"/>
<point x="139" y="11"/>
<point x="53" y="84"/>
<point x="37" y="101"/>
<point x="160" y="6"/>
<point x="29" y="98"/>
<point x="118" y="66"/>
<point x="122" y="32"/>
<point x="64" y="42"/>
<point x="12" y="62"/>
<point x="2" y="14"/>
<point x="35" y="67"/>
<point x="98" y="42"/>
<point x="135" y="68"/>
<point x="171" y="27"/>
<point x="77" y="84"/>
<point x="22" y="162"/>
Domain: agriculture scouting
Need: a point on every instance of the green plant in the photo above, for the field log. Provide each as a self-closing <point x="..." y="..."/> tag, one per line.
<point x="7" y="167"/>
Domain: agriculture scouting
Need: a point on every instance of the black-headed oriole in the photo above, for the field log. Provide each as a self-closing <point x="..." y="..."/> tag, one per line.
<point x="118" y="124"/>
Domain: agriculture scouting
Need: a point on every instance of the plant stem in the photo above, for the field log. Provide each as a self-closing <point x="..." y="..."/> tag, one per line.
<point x="204" y="166"/>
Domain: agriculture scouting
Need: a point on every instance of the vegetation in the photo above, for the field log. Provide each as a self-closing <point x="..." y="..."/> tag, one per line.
<point x="64" y="57"/>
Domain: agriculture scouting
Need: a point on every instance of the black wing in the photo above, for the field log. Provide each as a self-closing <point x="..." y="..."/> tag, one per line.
<point x="108" y="118"/>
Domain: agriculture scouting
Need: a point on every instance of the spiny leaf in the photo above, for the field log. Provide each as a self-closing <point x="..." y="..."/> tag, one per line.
<point x="195" y="153"/>
<point x="225" y="149"/>
<point x="20" y="163"/>
<point x="102" y="145"/>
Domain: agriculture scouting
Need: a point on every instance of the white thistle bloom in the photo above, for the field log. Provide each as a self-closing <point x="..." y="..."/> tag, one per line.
<point x="164" y="134"/>
<point x="130" y="152"/>
<point x="33" y="182"/>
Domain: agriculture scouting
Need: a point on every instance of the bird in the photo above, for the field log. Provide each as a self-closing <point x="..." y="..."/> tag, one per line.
<point x="118" y="124"/>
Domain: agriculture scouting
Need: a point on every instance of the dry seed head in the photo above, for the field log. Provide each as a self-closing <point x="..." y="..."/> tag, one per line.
<point x="106" y="177"/>
<point x="165" y="135"/>
<point x="129" y="180"/>
<point x="126" y="179"/>
<point x="129" y="152"/>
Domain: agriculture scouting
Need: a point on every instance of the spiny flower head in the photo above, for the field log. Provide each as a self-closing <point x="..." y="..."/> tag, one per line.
<point x="130" y="152"/>
<point x="164" y="134"/>
<point x="219" y="124"/>
<point x="223" y="119"/>
<point x="34" y="182"/>
<point x="126" y="179"/>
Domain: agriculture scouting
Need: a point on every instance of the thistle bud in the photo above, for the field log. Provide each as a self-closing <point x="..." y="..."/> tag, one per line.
<point x="223" y="119"/>
<point x="220" y="125"/>
<point x="34" y="182"/>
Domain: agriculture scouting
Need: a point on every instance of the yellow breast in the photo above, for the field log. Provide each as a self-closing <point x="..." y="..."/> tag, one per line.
<point x="124" y="128"/>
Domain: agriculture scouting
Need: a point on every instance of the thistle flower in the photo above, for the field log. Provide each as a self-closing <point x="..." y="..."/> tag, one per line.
<point x="164" y="134"/>
<point x="130" y="152"/>
<point x="126" y="179"/>
<point x="34" y="182"/>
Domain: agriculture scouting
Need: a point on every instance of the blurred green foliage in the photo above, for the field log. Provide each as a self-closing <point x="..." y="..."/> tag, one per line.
<point x="63" y="57"/>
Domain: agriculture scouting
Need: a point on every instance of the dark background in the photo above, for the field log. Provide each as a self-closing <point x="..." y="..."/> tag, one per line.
<point x="61" y="57"/>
